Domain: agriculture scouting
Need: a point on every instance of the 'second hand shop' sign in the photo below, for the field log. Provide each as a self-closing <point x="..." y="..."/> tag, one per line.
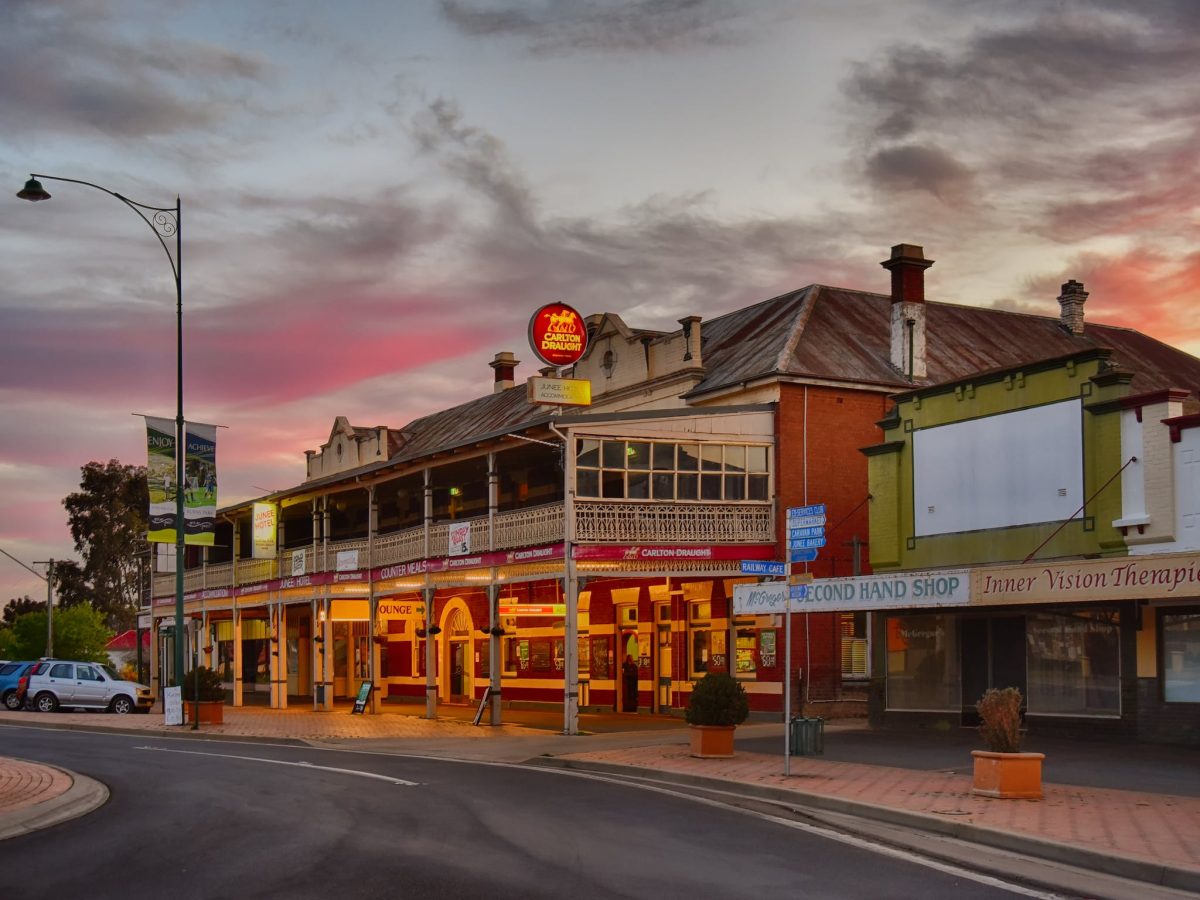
<point x="947" y="587"/>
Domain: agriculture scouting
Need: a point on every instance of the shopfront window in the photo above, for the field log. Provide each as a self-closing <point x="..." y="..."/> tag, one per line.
<point x="922" y="663"/>
<point x="854" y="644"/>
<point x="746" y="653"/>
<point x="699" y="636"/>
<point x="1074" y="663"/>
<point x="1181" y="657"/>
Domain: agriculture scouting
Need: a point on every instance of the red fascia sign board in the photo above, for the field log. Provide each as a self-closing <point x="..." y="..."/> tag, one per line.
<point x="673" y="553"/>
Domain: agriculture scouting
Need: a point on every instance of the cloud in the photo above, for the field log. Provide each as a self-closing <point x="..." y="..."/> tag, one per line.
<point x="69" y="68"/>
<point x="565" y="26"/>
<point x="917" y="167"/>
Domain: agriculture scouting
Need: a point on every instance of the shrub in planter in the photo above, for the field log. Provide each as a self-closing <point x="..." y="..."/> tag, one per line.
<point x="718" y="704"/>
<point x="1000" y="720"/>
<point x="1002" y="770"/>
<point x="717" y="699"/>
<point x="203" y="684"/>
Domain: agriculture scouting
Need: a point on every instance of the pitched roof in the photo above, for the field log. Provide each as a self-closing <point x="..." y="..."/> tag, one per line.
<point x="844" y="335"/>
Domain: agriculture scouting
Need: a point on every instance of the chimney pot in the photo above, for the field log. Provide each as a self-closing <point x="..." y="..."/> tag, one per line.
<point x="907" y="265"/>
<point x="504" y="365"/>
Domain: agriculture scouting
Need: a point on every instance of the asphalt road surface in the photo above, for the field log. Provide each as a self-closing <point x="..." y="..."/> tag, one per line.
<point x="210" y="819"/>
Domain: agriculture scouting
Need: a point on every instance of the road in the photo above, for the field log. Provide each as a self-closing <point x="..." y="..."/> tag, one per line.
<point x="211" y="819"/>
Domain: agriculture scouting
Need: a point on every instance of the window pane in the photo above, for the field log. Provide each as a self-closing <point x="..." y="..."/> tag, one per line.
<point x="922" y="663"/>
<point x="637" y="455"/>
<point x="587" y="453"/>
<point x="699" y="652"/>
<point x="1074" y="664"/>
<point x="758" y="487"/>
<point x="687" y="486"/>
<point x="735" y="459"/>
<point x="710" y="457"/>
<point x="587" y="483"/>
<point x="613" y="484"/>
<point x="664" y="456"/>
<point x="735" y="487"/>
<point x="710" y="487"/>
<point x="1181" y="658"/>
<point x="688" y="459"/>
<point x="700" y="611"/>
<point x="614" y="454"/>
<point x="756" y="459"/>
<point x="664" y="486"/>
<point x="745" y="653"/>
<point x="639" y="485"/>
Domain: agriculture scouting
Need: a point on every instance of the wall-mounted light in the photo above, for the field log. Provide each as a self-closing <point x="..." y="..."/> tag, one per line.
<point x="455" y="492"/>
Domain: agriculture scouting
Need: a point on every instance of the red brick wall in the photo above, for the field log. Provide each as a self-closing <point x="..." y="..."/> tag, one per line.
<point x="839" y="423"/>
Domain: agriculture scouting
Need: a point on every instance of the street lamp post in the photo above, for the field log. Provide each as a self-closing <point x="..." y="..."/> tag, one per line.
<point x="164" y="221"/>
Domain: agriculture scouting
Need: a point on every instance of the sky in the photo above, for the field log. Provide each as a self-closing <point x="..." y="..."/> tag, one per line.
<point x="376" y="195"/>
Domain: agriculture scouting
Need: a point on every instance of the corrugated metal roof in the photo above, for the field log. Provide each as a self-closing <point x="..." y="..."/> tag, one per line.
<point x="845" y="335"/>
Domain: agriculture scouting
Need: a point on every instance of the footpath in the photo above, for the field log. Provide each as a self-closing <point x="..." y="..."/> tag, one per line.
<point x="1148" y="836"/>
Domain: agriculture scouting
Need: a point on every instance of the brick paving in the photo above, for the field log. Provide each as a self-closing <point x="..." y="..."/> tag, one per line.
<point x="24" y="784"/>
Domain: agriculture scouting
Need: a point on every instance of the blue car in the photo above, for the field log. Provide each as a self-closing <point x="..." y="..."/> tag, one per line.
<point x="13" y="679"/>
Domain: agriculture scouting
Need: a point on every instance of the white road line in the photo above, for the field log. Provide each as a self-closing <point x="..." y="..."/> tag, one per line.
<point x="284" y="762"/>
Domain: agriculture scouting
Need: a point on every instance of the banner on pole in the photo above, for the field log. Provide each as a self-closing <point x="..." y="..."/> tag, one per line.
<point x="200" y="492"/>
<point x="160" y="479"/>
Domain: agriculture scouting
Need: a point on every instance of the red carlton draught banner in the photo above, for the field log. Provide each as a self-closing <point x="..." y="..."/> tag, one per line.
<point x="558" y="334"/>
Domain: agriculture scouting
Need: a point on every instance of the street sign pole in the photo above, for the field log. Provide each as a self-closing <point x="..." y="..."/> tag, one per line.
<point x="787" y="687"/>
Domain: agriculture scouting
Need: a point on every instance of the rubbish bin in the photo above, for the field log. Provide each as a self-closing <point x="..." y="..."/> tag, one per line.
<point x="808" y="736"/>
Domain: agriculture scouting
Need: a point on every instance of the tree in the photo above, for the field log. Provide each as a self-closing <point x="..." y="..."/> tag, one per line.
<point x="19" y="606"/>
<point x="79" y="633"/>
<point x="108" y="519"/>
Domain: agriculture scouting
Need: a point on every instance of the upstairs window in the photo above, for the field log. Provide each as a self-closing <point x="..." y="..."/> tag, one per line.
<point x="657" y="470"/>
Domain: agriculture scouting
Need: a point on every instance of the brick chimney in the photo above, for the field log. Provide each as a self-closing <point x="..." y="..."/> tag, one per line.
<point x="1070" y="303"/>
<point x="907" y="265"/>
<point x="691" y="339"/>
<point x="505" y="365"/>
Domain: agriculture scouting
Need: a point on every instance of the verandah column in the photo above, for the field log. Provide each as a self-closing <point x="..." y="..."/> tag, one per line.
<point x="237" y="654"/>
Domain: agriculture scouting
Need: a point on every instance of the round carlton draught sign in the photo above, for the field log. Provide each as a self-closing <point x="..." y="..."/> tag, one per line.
<point x="557" y="334"/>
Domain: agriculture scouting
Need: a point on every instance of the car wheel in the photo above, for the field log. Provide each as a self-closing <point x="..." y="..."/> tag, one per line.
<point x="121" y="705"/>
<point x="45" y="702"/>
<point x="12" y="701"/>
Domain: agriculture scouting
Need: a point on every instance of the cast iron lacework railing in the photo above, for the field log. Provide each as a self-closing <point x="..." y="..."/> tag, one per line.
<point x="602" y="522"/>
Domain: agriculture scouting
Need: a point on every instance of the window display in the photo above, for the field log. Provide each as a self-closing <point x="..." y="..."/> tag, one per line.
<point x="1181" y="656"/>
<point x="922" y="662"/>
<point x="1074" y="663"/>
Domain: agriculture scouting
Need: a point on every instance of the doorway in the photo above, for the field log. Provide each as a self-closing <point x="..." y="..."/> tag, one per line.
<point x="458" y="672"/>
<point x="664" y="673"/>
<point x="993" y="656"/>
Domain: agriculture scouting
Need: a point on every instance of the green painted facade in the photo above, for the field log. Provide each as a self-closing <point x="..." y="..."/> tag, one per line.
<point x="894" y="545"/>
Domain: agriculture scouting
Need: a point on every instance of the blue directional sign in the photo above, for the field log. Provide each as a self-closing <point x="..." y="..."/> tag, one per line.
<point x="799" y="591"/>
<point x="797" y="512"/>
<point x="806" y="522"/>
<point x="806" y="543"/>
<point x="763" y="567"/>
<point x="810" y="532"/>
<point x="798" y="556"/>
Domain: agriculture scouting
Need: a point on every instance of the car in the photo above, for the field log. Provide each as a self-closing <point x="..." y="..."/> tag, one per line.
<point x="70" y="684"/>
<point x="12" y="683"/>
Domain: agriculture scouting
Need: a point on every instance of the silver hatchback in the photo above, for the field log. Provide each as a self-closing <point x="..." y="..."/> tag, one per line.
<point x="61" y="684"/>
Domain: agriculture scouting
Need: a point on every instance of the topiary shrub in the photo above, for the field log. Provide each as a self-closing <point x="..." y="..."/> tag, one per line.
<point x="203" y="684"/>
<point x="1000" y="719"/>
<point x="717" y="699"/>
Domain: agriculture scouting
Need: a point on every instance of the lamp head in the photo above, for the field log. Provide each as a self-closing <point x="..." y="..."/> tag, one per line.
<point x="33" y="190"/>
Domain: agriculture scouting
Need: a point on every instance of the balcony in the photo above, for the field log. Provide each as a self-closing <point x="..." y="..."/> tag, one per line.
<point x="596" y="522"/>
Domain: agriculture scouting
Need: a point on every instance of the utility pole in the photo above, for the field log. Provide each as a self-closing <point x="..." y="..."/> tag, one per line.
<point x="49" y="579"/>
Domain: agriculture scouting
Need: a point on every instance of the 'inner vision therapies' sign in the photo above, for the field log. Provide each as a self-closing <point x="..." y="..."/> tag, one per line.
<point x="948" y="587"/>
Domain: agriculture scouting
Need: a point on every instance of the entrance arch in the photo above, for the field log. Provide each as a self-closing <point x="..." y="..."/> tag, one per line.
<point x="457" y="653"/>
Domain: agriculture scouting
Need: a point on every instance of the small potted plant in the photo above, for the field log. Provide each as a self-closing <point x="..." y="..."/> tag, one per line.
<point x="203" y="690"/>
<point x="717" y="705"/>
<point x="1002" y="770"/>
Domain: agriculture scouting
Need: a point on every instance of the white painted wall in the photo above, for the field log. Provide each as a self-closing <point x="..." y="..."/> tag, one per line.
<point x="998" y="471"/>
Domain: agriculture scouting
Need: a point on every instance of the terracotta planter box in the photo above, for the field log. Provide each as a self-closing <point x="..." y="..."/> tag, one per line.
<point x="712" y="741"/>
<point x="1008" y="776"/>
<point x="212" y="712"/>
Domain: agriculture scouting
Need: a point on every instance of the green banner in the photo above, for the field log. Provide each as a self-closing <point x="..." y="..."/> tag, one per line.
<point x="160" y="478"/>
<point x="200" y="491"/>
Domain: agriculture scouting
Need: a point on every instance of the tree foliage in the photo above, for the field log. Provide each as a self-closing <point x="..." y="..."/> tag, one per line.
<point x="108" y="520"/>
<point x="79" y="633"/>
<point x="18" y="606"/>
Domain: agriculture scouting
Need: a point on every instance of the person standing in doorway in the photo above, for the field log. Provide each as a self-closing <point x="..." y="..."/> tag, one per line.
<point x="629" y="678"/>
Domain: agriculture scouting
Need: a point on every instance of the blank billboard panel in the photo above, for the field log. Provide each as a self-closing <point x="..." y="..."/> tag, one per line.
<point x="1016" y="468"/>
